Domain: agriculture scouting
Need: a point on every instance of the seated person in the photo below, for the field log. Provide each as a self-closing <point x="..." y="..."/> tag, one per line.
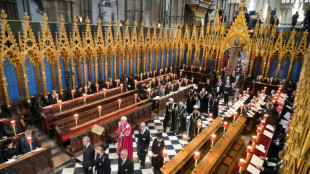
<point x="90" y="88"/>
<point x="142" y="91"/>
<point x="272" y="169"/>
<point x="111" y="83"/>
<point x="79" y="92"/>
<point x="9" y="151"/>
<point x="168" y="88"/>
<point x="52" y="97"/>
<point x="4" y="113"/>
<point x="9" y="131"/>
<point x="25" y="147"/>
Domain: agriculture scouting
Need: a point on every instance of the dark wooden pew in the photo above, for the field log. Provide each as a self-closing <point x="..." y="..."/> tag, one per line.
<point x="20" y="124"/>
<point x="179" y="163"/>
<point x="211" y="160"/>
<point x="63" y="126"/>
<point x="179" y="96"/>
<point x="140" y="113"/>
<point x="48" y="121"/>
<point x="35" y="162"/>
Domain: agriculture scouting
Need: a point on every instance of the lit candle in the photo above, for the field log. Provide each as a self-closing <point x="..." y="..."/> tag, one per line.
<point x="136" y="82"/>
<point x="72" y="93"/>
<point x="235" y="116"/>
<point x="198" y="126"/>
<point x="229" y="105"/>
<point x="13" y="124"/>
<point x="213" y="137"/>
<point x="104" y="91"/>
<point x="76" y="117"/>
<point x="164" y="156"/>
<point x="236" y="100"/>
<point x="85" y="89"/>
<point x="141" y="75"/>
<point x="29" y="140"/>
<point x="99" y="109"/>
<point x="210" y="115"/>
<point x="196" y="157"/>
<point x="184" y="138"/>
<point x="186" y="81"/>
<point x="263" y="91"/>
<point x="265" y="88"/>
<point x="262" y="123"/>
<point x="59" y="104"/>
<point x="240" y="96"/>
<point x="97" y="87"/>
<point x="108" y="84"/>
<point x="244" y="92"/>
<point x="57" y="97"/>
<point x="242" y="106"/>
<point x="265" y="116"/>
<point x="253" y="142"/>
<point x="154" y="73"/>
<point x="241" y="165"/>
<point x="225" y="124"/>
<point x="259" y="130"/>
<point x="248" y="149"/>
<point x="84" y="97"/>
<point x="121" y="85"/>
<point x="247" y="90"/>
<point x="119" y="103"/>
<point x="136" y="96"/>
<point x="259" y="95"/>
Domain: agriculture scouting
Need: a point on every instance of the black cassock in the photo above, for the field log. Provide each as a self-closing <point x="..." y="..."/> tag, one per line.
<point x="157" y="148"/>
<point x="170" y="117"/>
<point x="191" y="101"/>
<point x="192" y="131"/>
<point x="204" y="100"/>
<point x="181" y="113"/>
<point x="215" y="99"/>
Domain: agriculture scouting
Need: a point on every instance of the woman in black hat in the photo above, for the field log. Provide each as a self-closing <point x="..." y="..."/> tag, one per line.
<point x="102" y="163"/>
<point x="157" y="151"/>
<point x="9" y="150"/>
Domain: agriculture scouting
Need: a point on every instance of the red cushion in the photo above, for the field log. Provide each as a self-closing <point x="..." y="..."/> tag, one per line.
<point x="68" y="135"/>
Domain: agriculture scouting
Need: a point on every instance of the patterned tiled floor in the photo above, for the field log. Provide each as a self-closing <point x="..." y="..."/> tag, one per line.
<point x="173" y="144"/>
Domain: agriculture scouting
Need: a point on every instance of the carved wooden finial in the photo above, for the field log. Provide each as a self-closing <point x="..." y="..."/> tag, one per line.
<point x="3" y="14"/>
<point x="99" y="21"/>
<point x="87" y="20"/>
<point x="242" y="4"/>
<point x="45" y="18"/>
<point x="75" y="19"/>
<point x="26" y="16"/>
<point x="135" y="23"/>
<point x="127" y="23"/>
<point x="142" y="24"/>
<point x="109" y="22"/>
<point x="118" y="23"/>
<point x="62" y="19"/>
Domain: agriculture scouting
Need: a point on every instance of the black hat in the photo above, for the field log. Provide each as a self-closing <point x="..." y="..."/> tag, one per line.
<point x="8" y="141"/>
<point x="159" y="135"/>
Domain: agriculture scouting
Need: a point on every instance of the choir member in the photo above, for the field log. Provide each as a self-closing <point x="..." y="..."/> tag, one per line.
<point x="208" y="86"/>
<point x="102" y="162"/>
<point x="168" y="88"/>
<point x="90" y="88"/>
<point x="170" y="119"/>
<point x="143" y="143"/>
<point x="111" y="83"/>
<point x="272" y="169"/>
<point x="125" y="164"/>
<point x="194" y="118"/>
<point x="227" y="91"/>
<point x="181" y="113"/>
<point x="233" y="77"/>
<point x="127" y="84"/>
<point x="142" y="91"/>
<point x="157" y="151"/>
<point x="223" y="73"/>
<point x="204" y="100"/>
<point x="191" y="100"/>
<point x="25" y="147"/>
<point x="88" y="156"/>
<point x="10" y="151"/>
<point x="214" y="103"/>
<point x="124" y="140"/>
<point x="52" y="98"/>
<point x="79" y="91"/>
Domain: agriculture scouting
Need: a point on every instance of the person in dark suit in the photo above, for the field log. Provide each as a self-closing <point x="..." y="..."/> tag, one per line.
<point x="143" y="143"/>
<point x="273" y="169"/>
<point x="102" y="163"/>
<point x="25" y="147"/>
<point x="125" y="164"/>
<point x="142" y="91"/>
<point x="88" y="156"/>
<point x="226" y="91"/>
<point x="9" y="151"/>
<point x="52" y="98"/>
<point x="157" y="152"/>
<point x="4" y="113"/>
<point x="233" y="77"/>
<point x="111" y="83"/>
<point x="90" y="88"/>
<point x="79" y="92"/>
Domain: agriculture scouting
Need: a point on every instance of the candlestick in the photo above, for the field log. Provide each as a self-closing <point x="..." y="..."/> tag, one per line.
<point x="84" y="97"/>
<point x="97" y="87"/>
<point x="59" y="104"/>
<point x="184" y="139"/>
<point x="85" y="89"/>
<point x="253" y="142"/>
<point x="56" y="96"/>
<point x="117" y="82"/>
<point x="99" y="109"/>
<point x="29" y="140"/>
<point x="266" y="116"/>
<point x="196" y="157"/>
<point x="262" y="123"/>
<point x="241" y="165"/>
<point x="164" y="156"/>
<point x="235" y="116"/>
<point x="213" y="137"/>
<point x="198" y="126"/>
<point x="225" y="124"/>
<point x="13" y="124"/>
<point x="121" y="85"/>
<point x="72" y="93"/>
<point x="219" y="111"/>
<point x="119" y="103"/>
<point x="247" y="90"/>
<point x="104" y="90"/>
<point x="136" y="96"/>
<point x="76" y="117"/>
<point x="136" y="84"/>
<point x="192" y="68"/>
<point x="248" y="151"/>
<point x="258" y="131"/>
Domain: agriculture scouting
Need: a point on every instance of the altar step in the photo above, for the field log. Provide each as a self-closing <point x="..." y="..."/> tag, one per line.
<point x="59" y="157"/>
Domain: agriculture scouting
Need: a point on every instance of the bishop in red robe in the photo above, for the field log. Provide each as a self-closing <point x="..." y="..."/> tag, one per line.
<point x="124" y="137"/>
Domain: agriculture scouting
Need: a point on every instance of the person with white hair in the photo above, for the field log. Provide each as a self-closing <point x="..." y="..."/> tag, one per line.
<point x="194" y="118"/>
<point x="170" y="119"/>
<point x="124" y="137"/>
<point x="125" y="164"/>
<point x="88" y="156"/>
<point x="181" y="114"/>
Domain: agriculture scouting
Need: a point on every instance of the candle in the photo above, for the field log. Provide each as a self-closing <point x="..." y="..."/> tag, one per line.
<point x="119" y="103"/>
<point x="72" y="92"/>
<point x="259" y="130"/>
<point x="56" y="96"/>
<point x="136" y="96"/>
<point x="256" y="100"/>
<point x="166" y="69"/>
<point x="108" y="84"/>
<point x="117" y="82"/>
<point x="192" y="68"/>
<point x="265" y="116"/>
<point x="59" y="104"/>
<point x="262" y="123"/>
<point x="229" y="105"/>
<point x="141" y="76"/>
<point x="253" y="139"/>
<point x="184" y="138"/>
<point x="210" y="115"/>
<point x="244" y="92"/>
<point x="165" y="154"/>
<point x="76" y="116"/>
<point x="121" y="85"/>
<point x="99" y="108"/>
<point x="148" y="74"/>
<point x="196" y="156"/>
<point x="186" y="81"/>
<point x="240" y="96"/>
<point x="84" y="97"/>
<point x="242" y="106"/>
<point x="13" y="123"/>
<point x="247" y="90"/>
<point x="265" y="88"/>
<point x="241" y="164"/>
<point x="97" y="87"/>
<point x="219" y="108"/>
<point x="236" y="100"/>
<point x="154" y="73"/>
<point x="249" y="149"/>
<point x="225" y="124"/>
<point x="213" y="137"/>
<point x="198" y="126"/>
<point x="200" y="69"/>
<point x="136" y="82"/>
<point x="29" y="140"/>
<point x="164" y="89"/>
<point x="180" y="74"/>
<point x="259" y="95"/>
<point x="85" y="89"/>
<point x="235" y="116"/>
<point x="192" y="80"/>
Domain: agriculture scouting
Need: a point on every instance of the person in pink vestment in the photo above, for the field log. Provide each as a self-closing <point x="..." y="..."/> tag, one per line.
<point x="124" y="137"/>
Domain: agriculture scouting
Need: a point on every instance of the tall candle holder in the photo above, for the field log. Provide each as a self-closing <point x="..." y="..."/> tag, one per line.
<point x="196" y="157"/>
<point x="97" y="87"/>
<point x="72" y="93"/>
<point x="60" y="104"/>
<point x="225" y="124"/>
<point x="119" y="101"/>
<point x="199" y="127"/>
<point x="99" y="110"/>
<point x="184" y="138"/>
<point x="84" y="97"/>
<point x="29" y="140"/>
<point x="164" y="156"/>
<point x="213" y="137"/>
<point x="241" y="165"/>
<point x="13" y="124"/>
<point x="76" y="117"/>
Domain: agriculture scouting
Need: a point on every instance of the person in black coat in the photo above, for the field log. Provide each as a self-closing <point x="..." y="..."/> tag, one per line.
<point x="4" y="113"/>
<point x="143" y="143"/>
<point x="170" y="119"/>
<point x="272" y="169"/>
<point x="9" y="151"/>
<point x="52" y="98"/>
<point x="157" y="153"/>
<point x="233" y="77"/>
<point x="226" y="91"/>
<point x="88" y="156"/>
<point x="190" y="101"/>
<point x="204" y="100"/>
<point x="79" y="92"/>
<point x="214" y="102"/>
<point x="102" y="162"/>
<point x="208" y="86"/>
<point x="142" y="91"/>
<point x="125" y="164"/>
<point x="25" y="147"/>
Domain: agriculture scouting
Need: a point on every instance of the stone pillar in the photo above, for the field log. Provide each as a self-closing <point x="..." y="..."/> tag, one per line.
<point x="68" y="10"/>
